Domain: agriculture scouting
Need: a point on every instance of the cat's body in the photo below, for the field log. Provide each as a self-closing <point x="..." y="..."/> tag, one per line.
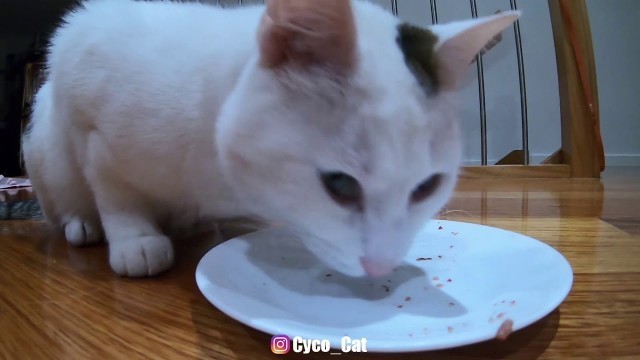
<point x="170" y="113"/>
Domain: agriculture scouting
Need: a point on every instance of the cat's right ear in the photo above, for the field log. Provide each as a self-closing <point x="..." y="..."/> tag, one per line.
<point x="305" y="33"/>
<point x="460" y="41"/>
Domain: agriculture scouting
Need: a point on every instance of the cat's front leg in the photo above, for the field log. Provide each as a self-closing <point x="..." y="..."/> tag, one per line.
<point x="140" y="255"/>
<point x="137" y="247"/>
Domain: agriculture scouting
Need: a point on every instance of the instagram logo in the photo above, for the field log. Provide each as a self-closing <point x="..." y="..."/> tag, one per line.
<point x="280" y="344"/>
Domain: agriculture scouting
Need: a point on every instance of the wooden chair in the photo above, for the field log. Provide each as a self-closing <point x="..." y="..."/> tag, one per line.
<point x="582" y="153"/>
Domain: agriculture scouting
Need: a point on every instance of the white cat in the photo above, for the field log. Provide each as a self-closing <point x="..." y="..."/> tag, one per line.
<point x="331" y="117"/>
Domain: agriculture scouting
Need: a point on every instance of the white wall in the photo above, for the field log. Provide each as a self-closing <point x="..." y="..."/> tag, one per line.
<point x="617" y="55"/>
<point x="614" y="27"/>
<point x="502" y="94"/>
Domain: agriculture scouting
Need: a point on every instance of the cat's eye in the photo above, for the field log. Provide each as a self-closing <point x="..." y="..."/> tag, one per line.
<point x="343" y="189"/>
<point x="426" y="188"/>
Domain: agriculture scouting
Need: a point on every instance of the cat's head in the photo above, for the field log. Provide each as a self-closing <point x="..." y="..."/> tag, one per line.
<point x="343" y="126"/>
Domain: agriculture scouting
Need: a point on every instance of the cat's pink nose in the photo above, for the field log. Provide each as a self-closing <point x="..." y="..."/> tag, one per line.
<point x="376" y="268"/>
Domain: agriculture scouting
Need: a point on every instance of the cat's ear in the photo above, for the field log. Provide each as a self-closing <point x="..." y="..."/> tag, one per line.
<point x="460" y="41"/>
<point x="305" y="33"/>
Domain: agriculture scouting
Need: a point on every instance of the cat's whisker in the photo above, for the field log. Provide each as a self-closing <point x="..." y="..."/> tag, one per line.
<point x="447" y="212"/>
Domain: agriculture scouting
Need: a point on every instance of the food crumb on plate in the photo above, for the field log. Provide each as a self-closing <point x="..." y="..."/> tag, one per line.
<point x="439" y="227"/>
<point x="410" y="335"/>
<point x="449" y="280"/>
<point x="400" y="306"/>
<point x="386" y="288"/>
<point x="423" y="259"/>
<point x="505" y="330"/>
<point x="513" y="302"/>
<point x="500" y="316"/>
<point x="439" y="256"/>
<point x="408" y="298"/>
<point x="449" y="329"/>
<point x="451" y="304"/>
<point x="454" y="233"/>
<point x="439" y="285"/>
<point x="328" y="275"/>
<point x="450" y="246"/>
<point x="435" y="278"/>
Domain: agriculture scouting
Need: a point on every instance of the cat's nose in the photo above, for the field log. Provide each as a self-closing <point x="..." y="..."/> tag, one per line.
<point x="375" y="268"/>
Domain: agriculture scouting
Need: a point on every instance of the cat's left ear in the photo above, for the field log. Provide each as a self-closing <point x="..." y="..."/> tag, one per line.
<point x="460" y="41"/>
<point x="304" y="33"/>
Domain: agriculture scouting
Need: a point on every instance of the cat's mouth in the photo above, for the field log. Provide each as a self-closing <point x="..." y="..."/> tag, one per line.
<point x="374" y="268"/>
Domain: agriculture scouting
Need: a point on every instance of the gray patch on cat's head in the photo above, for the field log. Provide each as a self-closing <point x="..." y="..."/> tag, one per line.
<point x="418" y="48"/>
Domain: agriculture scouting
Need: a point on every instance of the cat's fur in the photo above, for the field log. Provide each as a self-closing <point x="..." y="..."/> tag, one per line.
<point x="165" y="112"/>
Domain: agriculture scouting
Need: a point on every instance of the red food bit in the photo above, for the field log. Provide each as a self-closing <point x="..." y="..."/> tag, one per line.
<point x="500" y="316"/>
<point x="408" y="298"/>
<point x="449" y="329"/>
<point x="505" y="330"/>
<point x="435" y="278"/>
<point x="439" y="285"/>
<point x="513" y="302"/>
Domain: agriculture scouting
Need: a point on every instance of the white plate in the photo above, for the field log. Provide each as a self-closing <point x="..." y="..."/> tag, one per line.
<point x="459" y="282"/>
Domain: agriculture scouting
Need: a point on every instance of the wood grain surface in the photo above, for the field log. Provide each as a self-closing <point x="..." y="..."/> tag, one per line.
<point x="60" y="302"/>
<point x="579" y="137"/>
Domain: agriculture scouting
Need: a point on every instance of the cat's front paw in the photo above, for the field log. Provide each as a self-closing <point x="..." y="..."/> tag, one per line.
<point x="81" y="233"/>
<point x="141" y="256"/>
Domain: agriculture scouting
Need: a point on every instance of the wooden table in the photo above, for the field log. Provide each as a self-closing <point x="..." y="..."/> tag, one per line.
<point x="59" y="302"/>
